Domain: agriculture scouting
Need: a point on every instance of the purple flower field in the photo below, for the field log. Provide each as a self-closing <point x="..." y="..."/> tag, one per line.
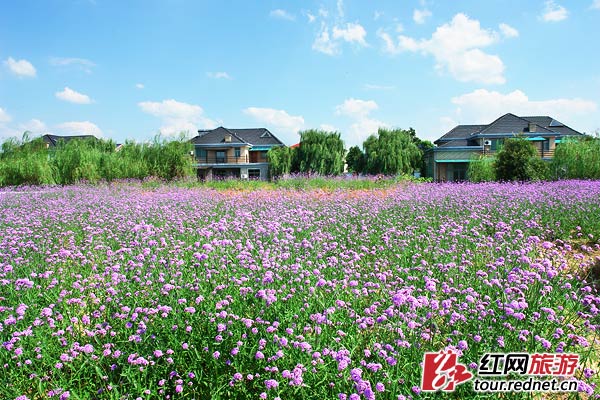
<point x="125" y="292"/>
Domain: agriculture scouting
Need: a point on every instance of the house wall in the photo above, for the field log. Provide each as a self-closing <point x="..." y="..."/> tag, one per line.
<point x="456" y="154"/>
<point x="441" y="172"/>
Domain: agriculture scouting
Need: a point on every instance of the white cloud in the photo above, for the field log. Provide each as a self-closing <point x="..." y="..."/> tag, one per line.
<point x="21" y="68"/>
<point x="352" y="33"/>
<point x="284" y="124"/>
<point x="33" y="125"/>
<point x="363" y="128"/>
<point x="282" y="14"/>
<point x="554" y="12"/>
<point x="419" y="16"/>
<point x="334" y="30"/>
<point x="340" y="8"/>
<point x="595" y="5"/>
<point x="356" y="108"/>
<point x="219" y="75"/>
<point x="4" y="116"/>
<point x="177" y="116"/>
<point x="139" y="85"/>
<point x="363" y="125"/>
<point x="311" y="18"/>
<point x="324" y="44"/>
<point x="378" y="14"/>
<point x="70" y="95"/>
<point x="79" y="128"/>
<point x="81" y="63"/>
<point x="328" y="128"/>
<point x="456" y="47"/>
<point x="508" y="31"/>
<point x="483" y="106"/>
<point x="447" y="123"/>
<point x="388" y="43"/>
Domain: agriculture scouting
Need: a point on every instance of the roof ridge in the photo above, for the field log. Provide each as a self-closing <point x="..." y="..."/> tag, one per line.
<point x="505" y="115"/>
<point x="234" y="134"/>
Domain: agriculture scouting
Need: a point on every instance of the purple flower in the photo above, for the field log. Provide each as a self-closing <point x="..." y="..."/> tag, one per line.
<point x="271" y="384"/>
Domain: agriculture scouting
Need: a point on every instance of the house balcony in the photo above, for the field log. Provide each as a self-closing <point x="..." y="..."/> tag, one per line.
<point x="211" y="159"/>
<point x="541" y="153"/>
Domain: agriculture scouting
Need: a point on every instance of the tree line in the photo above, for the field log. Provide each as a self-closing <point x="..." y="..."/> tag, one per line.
<point x="389" y="152"/>
<point x="32" y="162"/>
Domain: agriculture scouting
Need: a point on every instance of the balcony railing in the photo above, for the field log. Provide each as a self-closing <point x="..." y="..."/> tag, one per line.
<point x="222" y="160"/>
<point x="540" y="153"/>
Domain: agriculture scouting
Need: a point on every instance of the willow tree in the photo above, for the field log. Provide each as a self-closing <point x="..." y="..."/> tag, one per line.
<point x="392" y="152"/>
<point x="321" y="152"/>
<point x="577" y="158"/>
<point x="280" y="160"/>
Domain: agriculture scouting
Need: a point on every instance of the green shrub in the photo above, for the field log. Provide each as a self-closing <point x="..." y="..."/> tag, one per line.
<point x="512" y="162"/>
<point x="481" y="169"/>
<point x="538" y="169"/>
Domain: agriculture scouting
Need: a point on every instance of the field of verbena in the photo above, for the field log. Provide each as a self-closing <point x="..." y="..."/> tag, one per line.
<point x="125" y="292"/>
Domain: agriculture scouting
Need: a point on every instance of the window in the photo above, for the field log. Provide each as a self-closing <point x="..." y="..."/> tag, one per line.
<point x="220" y="156"/>
<point x="254" y="173"/>
<point x="265" y="135"/>
<point x="201" y="153"/>
<point x="496" y="144"/>
<point x="238" y="152"/>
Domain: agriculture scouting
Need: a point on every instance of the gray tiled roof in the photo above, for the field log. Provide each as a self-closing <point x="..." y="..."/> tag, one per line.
<point x="254" y="136"/>
<point x="510" y="123"/>
<point x="216" y="136"/>
<point x="454" y="143"/>
<point x="461" y="132"/>
<point x="553" y="125"/>
<point x="257" y="136"/>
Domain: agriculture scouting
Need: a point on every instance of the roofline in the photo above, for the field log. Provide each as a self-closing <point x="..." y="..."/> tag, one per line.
<point x="230" y="130"/>
<point x="516" y="116"/>
<point x="458" y="148"/>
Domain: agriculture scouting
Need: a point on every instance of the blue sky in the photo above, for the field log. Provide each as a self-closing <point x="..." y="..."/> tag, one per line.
<point x="127" y="70"/>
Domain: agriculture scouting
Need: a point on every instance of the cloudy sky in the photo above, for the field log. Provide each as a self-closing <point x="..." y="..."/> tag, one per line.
<point x="128" y="70"/>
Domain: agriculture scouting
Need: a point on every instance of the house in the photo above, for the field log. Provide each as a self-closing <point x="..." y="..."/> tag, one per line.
<point x="52" y="140"/>
<point x="449" y="159"/>
<point x="233" y="153"/>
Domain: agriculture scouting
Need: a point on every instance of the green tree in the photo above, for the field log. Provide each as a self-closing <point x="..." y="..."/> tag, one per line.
<point x="321" y="152"/>
<point x="392" y="152"/>
<point x="515" y="160"/>
<point x="355" y="159"/>
<point x="280" y="160"/>
<point x="481" y="169"/>
<point x="577" y="158"/>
